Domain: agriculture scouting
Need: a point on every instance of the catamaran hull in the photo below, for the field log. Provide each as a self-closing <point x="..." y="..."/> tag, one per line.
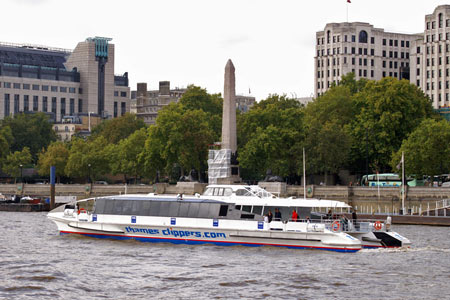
<point x="223" y="237"/>
<point x="381" y="239"/>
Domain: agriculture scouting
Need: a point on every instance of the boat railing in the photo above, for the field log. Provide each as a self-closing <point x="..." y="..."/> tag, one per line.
<point x="345" y="225"/>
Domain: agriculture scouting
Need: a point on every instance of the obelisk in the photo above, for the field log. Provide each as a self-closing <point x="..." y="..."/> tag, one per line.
<point x="229" y="140"/>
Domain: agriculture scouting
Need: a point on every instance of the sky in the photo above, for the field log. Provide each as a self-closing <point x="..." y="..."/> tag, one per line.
<point x="271" y="43"/>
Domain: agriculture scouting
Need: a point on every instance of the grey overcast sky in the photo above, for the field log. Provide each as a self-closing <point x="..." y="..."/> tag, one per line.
<point x="271" y="43"/>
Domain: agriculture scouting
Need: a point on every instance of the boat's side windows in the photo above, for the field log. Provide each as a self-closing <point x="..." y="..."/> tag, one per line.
<point x="145" y="208"/>
<point x="238" y="207"/>
<point x="109" y="207"/>
<point x="164" y="209"/>
<point x="193" y="210"/>
<point x="257" y="210"/>
<point x="184" y="210"/>
<point x="124" y="207"/>
<point x="136" y="208"/>
<point x="228" y="192"/>
<point x="203" y="211"/>
<point x="223" y="211"/>
<point x="241" y="192"/>
<point x="100" y="206"/>
<point x="247" y="208"/>
<point x="208" y="192"/>
<point x="174" y="207"/>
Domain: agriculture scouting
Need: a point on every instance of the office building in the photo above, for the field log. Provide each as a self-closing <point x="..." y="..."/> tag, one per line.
<point x="62" y="82"/>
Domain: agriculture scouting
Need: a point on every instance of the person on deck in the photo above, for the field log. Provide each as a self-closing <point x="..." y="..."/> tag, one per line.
<point x="277" y="215"/>
<point x="294" y="216"/>
<point x="270" y="215"/>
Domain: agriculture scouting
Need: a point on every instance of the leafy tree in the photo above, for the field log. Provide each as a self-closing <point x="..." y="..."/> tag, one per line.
<point x="119" y="128"/>
<point x="125" y="155"/>
<point x="180" y="137"/>
<point x="270" y="136"/>
<point x="15" y="160"/>
<point x="6" y="140"/>
<point x="426" y="150"/>
<point x="56" y="155"/>
<point x="388" y="111"/>
<point x="32" y="130"/>
<point x="196" y="98"/>
<point x="327" y="142"/>
<point x="88" y="158"/>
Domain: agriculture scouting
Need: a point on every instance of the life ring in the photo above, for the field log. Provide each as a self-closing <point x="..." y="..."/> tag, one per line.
<point x="377" y="225"/>
<point x="335" y="226"/>
<point x="82" y="210"/>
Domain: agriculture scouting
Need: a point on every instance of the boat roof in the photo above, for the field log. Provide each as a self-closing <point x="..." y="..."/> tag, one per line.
<point x="152" y="197"/>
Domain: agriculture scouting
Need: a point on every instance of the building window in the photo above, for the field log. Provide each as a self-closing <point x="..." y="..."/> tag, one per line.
<point x="371" y="73"/>
<point x="44" y="103"/>
<point x="372" y="63"/>
<point x="116" y="93"/>
<point x="115" y="109"/>
<point x="418" y="72"/>
<point x="35" y="87"/>
<point x="353" y="61"/>
<point x="407" y="44"/>
<point x="80" y="105"/>
<point x="418" y="50"/>
<point x="353" y="38"/>
<point x="384" y="53"/>
<point x="396" y="43"/>
<point x="124" y="94"/>
<point x="54" y="88"/>
<point x="402" y="43"/>
<point x="45" y="88"/>
<point x="72" y="106"/>
<point x="72" y="90"/>
<point x="6" y="108"/>
<point x="26" y="86"/>
<point x="441" y="20"/>
<point x="16" y="85"/>
<point x="384" y="42"/>
<point x="418" y="82"/>
<point x="353" y="50"/>
<point x="63" y="107"/>
<point x="363" y="36"/>
<point x="384" y="64"/>
<point x="372" y="51"/>
<point x="35" y="103"/>
<point x="433" y="25"/>
<point x="16" y="104"/>
<point x="26" y="103"/>
<point x="372" y="40"/>
<point x="54" y="105"/>
<point x="123" y="108"/>
<point x="391" y="43"/>
<point x="62" y="89"/>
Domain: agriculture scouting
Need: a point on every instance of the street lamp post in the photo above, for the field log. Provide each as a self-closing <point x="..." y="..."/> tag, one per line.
<point x="89" y="178"/>
<point x="21" y="173"/>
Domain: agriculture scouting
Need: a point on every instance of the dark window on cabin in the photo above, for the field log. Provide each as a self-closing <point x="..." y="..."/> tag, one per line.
<point x="136" y="208"/>
<point x="193" y="210"/>
<point x="155" y="208"/>
<point x="238" y="207"/>
<point x="164" y="209"/>
<point x="247" y="216"/>
<point x="173" y="209"/>
<point x="223" y="211"/>
<point x="247" y="208"/>
<point x="257" y="210"/>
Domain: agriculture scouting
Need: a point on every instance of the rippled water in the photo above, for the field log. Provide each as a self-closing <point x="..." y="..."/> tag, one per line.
<point x="37" y="263"/>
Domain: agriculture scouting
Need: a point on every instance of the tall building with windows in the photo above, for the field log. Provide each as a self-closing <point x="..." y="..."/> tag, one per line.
<point x="360" y="48"/>
<point x="62" y="82"/>
<point x="430" y="58"/>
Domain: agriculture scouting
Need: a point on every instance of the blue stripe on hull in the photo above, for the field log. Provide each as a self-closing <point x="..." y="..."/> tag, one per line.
<point x="202" y="242"/>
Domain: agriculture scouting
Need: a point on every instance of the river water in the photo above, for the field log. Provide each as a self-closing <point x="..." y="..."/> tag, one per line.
<point x="38" y="263"/>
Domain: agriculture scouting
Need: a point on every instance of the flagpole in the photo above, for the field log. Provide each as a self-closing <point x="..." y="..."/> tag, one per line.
<point x="347" y="11"/>
<point x="304" y="175"/>
<point x="403" y="182"/>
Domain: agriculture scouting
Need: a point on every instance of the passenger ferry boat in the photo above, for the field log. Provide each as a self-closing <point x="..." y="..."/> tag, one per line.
<point x="155" y="218"/>
<point x="254" y="199"/>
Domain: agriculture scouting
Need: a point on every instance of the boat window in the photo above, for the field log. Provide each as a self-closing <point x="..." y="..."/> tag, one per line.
<point x="124" y="207"/>
<point x="145" y="209"/>
<point x="109" y="207"/>
<point x="203" y="211"/>
<point x="241" y="192"/>
<point x="213" y="210"/>
<point x="164" y="209"/>
<point x="247" y="216"/>
<point x="218" y="191"/>
<point x="257" y="210"/>
<point x="223" y="211"/>
<point x="238" y="207"/>
<point x="208" y="192"/>
<point x="184" y="208"/>
<point x="136" y="208"/>
<point x="155" y="207"/>
<point x="247" y="208"/>
<point x="228" y="192"/>
<point x="193" y="210"/>
<point x="173" y="209"/>
<point x="100" y="206"/>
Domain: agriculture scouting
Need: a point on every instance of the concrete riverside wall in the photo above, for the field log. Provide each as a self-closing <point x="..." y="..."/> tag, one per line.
<point x="366" y="199"/>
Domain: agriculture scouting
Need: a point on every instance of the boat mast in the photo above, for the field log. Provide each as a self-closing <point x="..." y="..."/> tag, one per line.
<point x="304" y="175"/>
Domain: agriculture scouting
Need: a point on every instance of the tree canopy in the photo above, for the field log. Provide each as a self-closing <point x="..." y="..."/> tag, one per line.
<point x="116" y="129"/>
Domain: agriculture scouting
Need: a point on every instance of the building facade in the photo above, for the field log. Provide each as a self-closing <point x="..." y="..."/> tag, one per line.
<point x="148" y="103"/>
<point x="360" y="48"/>
<point x="62" y="82"/>
<point x="430" y="58"/>
<point x="372" y="53"/>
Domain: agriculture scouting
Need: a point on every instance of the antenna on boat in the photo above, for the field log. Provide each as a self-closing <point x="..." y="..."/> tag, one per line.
<point x="304" y="175"/>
